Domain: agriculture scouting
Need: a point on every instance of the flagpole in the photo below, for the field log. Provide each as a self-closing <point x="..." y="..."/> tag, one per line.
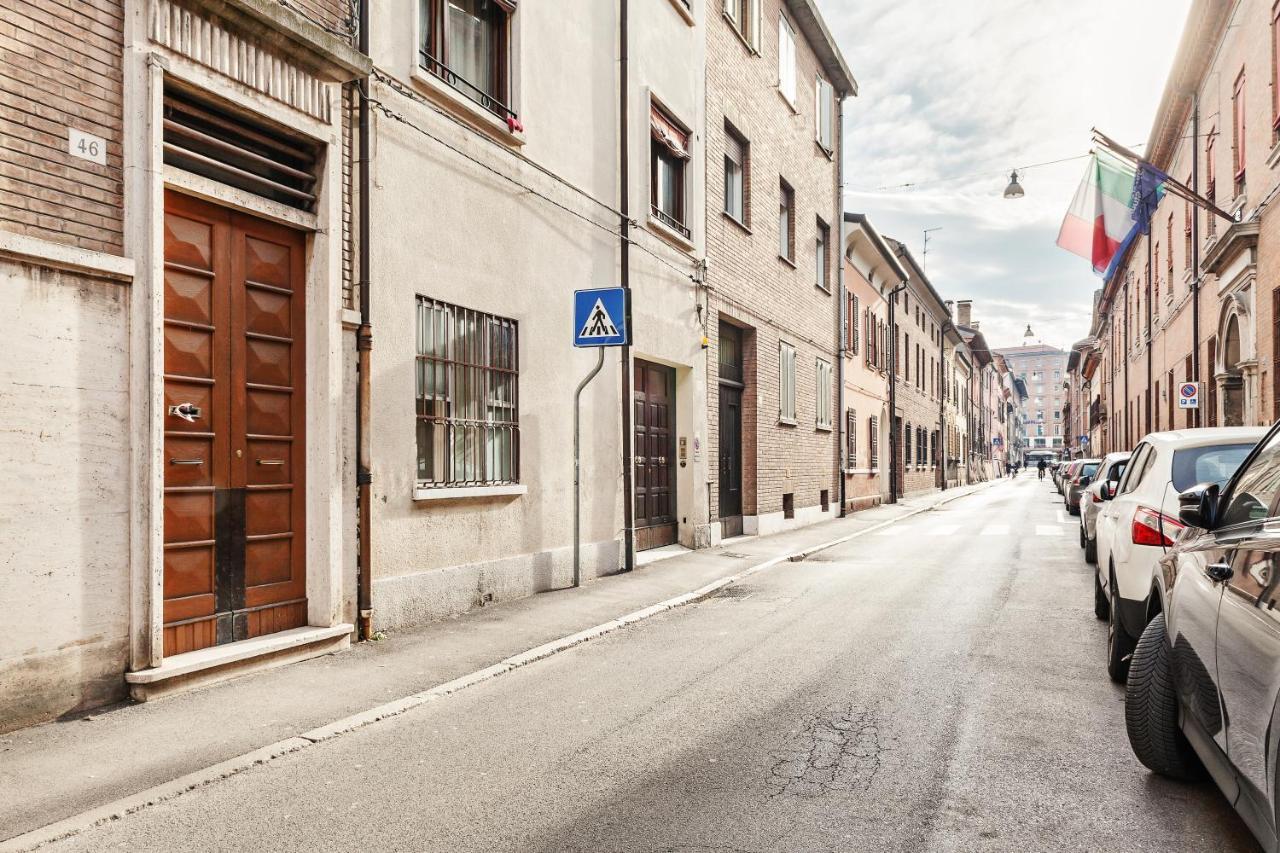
<point x="1179" y="189"/>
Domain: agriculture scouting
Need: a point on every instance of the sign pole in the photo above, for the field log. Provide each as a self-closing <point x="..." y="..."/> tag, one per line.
<point x="577" y="441"/>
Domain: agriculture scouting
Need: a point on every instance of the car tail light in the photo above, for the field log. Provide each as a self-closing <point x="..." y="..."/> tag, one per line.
<point x="1154" y="528"/>
<point x="1097" y="497"/>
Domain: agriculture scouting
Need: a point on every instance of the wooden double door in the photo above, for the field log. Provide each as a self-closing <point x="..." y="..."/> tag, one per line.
<point x="234" y="368"/>
<point x="654" y="395"/>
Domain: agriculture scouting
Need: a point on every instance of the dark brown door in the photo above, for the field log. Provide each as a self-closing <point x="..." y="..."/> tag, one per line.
<point x="234" y="517"/>
<point x="730" y="461"/>
<point x="655" y="468"/>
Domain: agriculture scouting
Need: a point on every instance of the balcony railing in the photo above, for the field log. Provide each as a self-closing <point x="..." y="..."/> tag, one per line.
<point x="465" y="88"/>
<point x="669" y="221"/>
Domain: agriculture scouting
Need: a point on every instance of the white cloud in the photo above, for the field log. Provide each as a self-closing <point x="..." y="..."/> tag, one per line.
<point x="956" y="94"/>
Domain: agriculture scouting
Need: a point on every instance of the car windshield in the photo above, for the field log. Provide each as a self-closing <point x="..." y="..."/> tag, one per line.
<point x="1211" y="464"/>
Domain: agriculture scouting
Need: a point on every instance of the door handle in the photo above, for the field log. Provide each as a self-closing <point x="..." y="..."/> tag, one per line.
<point x="270" y="461"/>
<point x="187" y="411"/>
<point x="186" y="461"/>
<point x="1219" y="571"/>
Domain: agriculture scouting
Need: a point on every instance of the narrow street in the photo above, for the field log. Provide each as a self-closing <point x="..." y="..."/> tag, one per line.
<point x="936" y="685"/>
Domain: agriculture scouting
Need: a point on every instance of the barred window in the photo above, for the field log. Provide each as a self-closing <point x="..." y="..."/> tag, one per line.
<point x="467" y="397"/>
<point x="851" y="438"/>
<point x="786" y="383"/>
<point x="822" y="394"/>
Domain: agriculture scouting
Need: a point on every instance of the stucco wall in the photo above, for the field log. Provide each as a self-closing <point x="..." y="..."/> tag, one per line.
<point x="64" y="442"/>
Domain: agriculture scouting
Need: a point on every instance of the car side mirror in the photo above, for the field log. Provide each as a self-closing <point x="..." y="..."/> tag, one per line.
<point x="1198" y="506"/>
<point x="1084" y="481"/>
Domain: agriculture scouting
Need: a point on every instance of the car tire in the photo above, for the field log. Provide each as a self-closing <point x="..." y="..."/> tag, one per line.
<point x="1151" y="709"/>
<point x="1082" y="540"/>
<point x="1101" y="607"/>
<point x="1119" y="643"/>
<point x="1091" y="555"/>
<point x="1074" y="510"/>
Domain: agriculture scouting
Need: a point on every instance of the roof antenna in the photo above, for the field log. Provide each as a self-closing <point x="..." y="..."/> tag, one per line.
<point x="924" y="255"/>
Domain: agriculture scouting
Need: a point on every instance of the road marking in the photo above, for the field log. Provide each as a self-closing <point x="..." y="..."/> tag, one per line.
<point x="1048" y="530"/>
<point x="1062" y="519"/>
<point x="996" y="530"/>
<point x="896" y="531"/>
<point x="943" y="529"/>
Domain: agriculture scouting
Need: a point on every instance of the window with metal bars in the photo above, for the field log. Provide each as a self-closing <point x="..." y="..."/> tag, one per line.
<point x="465" y="44"/>
<point x="467" y="398"/>
<point x="873" y="442"/>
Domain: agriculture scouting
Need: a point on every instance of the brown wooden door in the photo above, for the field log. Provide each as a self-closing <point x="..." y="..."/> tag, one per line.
<point x="234" y="515"/>
<point x="655" y="469"/>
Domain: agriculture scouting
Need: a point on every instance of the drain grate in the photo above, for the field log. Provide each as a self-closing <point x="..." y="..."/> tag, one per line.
<point x="733" y="555"/>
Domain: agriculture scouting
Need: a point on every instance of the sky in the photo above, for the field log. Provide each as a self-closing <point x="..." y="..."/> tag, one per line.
<point x="954" y="94"/>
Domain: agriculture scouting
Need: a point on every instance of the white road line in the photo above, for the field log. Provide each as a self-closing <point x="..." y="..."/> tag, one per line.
<point x="1062" y="518"/>
<point x="896" y="530"/>
<point x="1048" y="530"/>
<point x="943" y="529"/>
<point x="996" y="530"/>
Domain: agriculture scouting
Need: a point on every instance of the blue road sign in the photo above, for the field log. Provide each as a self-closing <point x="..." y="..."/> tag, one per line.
<point x="600" y="318"/>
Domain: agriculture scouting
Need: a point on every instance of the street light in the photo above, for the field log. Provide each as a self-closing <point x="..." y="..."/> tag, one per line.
<point x="1014" y="190"/>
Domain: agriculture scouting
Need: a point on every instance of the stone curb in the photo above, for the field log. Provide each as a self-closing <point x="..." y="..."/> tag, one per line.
<point x="132" y="803"/>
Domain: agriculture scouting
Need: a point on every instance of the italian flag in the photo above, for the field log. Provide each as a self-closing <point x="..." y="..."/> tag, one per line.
<point x="1101" y="214"/>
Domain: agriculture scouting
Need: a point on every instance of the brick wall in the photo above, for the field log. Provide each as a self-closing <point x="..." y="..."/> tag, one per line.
<point x="60" y="68"/>
<point x="918" y="395"/>
<point x="749" y="284"/>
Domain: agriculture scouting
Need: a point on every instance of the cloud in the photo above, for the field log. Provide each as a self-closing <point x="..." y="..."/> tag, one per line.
<point x="955" y="95"/>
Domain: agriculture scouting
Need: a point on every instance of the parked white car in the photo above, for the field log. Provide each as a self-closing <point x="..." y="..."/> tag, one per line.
<point x="1138" y="523"/>
<point x="1110" y="470"/>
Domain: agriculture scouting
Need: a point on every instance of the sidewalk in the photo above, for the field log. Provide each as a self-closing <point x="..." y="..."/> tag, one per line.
<point x="61" y="769"/>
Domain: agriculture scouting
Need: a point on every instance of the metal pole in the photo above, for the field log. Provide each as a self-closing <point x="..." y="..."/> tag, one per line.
<point x="364" y="346"/>
<point x="577" y="472"/>
<point x="1195" y="251"/>
<point x="624" y="233"/>
<point x="893" y="397"/>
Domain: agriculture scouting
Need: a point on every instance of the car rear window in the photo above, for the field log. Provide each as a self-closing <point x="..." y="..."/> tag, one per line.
<point x="1089" y="470"/>
<point x="1212" y="464"/>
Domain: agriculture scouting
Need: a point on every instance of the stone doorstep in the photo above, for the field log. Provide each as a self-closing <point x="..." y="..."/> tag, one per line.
<point x="200" y="668"/>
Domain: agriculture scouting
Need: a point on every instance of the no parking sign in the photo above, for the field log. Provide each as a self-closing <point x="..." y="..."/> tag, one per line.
<point x="1189" y="395"/>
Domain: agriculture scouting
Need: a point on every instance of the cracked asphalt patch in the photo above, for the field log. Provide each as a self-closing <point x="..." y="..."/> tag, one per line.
<point x="840" y="750"/>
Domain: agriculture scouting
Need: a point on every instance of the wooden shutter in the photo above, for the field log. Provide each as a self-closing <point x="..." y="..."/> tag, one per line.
<point x="851" y="437"/>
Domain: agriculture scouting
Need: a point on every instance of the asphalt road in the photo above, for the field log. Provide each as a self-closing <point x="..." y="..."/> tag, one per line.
<point x="939" y="687"/>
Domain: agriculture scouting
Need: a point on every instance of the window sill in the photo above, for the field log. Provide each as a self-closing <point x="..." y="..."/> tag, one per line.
<point x="444" y="96"/>
<point x="829" y="153"/>
<point x="421" y="493"/>
<point x="661" y="229"/>
<point x="821" y="428"/>
<point x="787" y="261"/>
<point x="1273" y="159"/>
<point x="685" y="12"/>
<point x="824" y="288"/>
<point x="729" y="216"/>
<point x="790" y="103"/>
<point x="786" y="422"/>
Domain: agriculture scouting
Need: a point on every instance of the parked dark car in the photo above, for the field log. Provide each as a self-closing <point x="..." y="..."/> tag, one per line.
<point x="1204" y="679"/>
<point x="1063" y="473"/>
<point x="1077" y="481"/>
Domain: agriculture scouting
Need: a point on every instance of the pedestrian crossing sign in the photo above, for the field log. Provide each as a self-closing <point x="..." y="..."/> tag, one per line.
<point x="601" y="317"/>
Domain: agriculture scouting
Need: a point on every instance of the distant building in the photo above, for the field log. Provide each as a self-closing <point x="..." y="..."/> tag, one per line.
<point x="1043" y="370"/>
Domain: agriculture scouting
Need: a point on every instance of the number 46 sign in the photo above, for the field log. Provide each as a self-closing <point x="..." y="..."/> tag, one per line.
<point x="86" y="146"/>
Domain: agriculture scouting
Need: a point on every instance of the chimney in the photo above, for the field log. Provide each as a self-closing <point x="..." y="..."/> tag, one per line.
<point x="964" y="312"/>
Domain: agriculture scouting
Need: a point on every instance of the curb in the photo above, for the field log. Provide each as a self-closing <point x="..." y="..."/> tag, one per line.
<point x="132" y="803"/>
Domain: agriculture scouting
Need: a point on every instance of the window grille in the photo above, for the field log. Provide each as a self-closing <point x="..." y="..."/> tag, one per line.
<point x="467" y="397"/>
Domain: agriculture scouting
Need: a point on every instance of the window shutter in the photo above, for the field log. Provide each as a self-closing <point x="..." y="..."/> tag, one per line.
<point x="786" y="60"/>
<point x="853" y="327"/>
<point x="756" y="24"/>
<point x="851" y="436"/>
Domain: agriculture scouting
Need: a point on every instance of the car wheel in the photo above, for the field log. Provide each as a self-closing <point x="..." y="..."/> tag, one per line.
<point x="1119" y="644"/>
<point x="1074" y="510"/>
<point x="1091" y="555"/>
<point x="1082" y="536"/>
<point x="1151" y="709"/>
<point x="1101" y="607"/>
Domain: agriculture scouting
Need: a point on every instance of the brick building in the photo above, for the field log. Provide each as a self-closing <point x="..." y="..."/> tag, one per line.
<point x="775" y="87"/>
<point x="1190" y="301"/>
<point x="1043" y="370"/>
<point x="173" y="230"/>
<point x="918" y="324"/>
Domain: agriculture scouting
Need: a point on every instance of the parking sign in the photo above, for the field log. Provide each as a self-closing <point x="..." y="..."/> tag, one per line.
<point x="1189" y="395"/>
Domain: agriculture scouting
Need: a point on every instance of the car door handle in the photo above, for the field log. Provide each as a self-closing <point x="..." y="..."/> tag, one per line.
<point x="1219" y="571"/>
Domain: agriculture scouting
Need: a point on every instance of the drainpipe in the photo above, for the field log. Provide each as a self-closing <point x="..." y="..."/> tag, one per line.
<point x="364" y="346"/>
<point x="1150" y="336"/>
<point x="624" y="233"/>
<point x="894" y="485"/>
<point x="842" y="307"/>
<point x="1195" y="250"/>
<point x="1128" y="439"/>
